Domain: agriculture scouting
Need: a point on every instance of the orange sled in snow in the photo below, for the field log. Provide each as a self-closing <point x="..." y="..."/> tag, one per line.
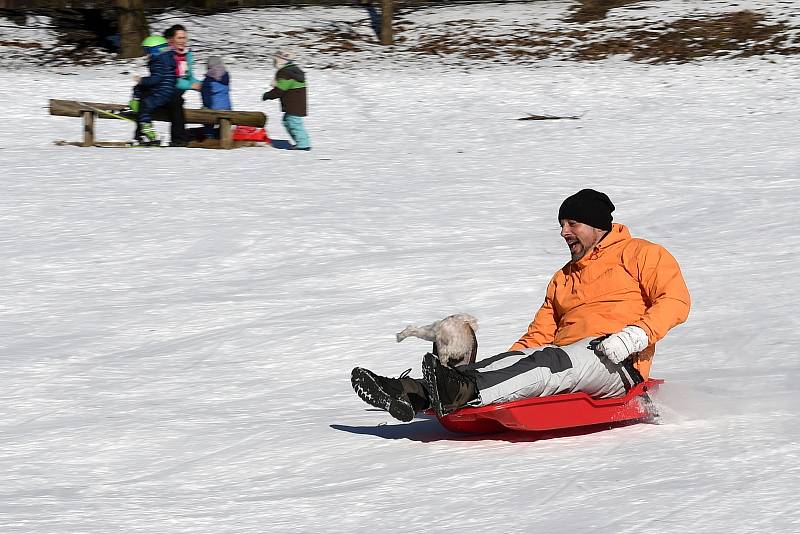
<point x="568" y="410"/>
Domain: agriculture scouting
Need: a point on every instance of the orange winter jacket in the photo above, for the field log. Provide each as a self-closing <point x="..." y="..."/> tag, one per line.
<point x="622" y="281"/>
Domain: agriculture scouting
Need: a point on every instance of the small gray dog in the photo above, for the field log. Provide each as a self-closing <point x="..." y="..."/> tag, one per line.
<point x="454" y="340"/>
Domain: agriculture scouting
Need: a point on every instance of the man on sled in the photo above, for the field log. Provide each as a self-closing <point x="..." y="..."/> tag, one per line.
<point x="596" y="331"/>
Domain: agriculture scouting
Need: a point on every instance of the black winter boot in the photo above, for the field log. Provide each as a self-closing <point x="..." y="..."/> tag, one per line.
<point x="449" y="389"/>
<point x="402" y="397"/>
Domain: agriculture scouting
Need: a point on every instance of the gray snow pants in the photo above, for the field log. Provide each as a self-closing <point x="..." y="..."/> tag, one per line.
<point x="547" y="370"/>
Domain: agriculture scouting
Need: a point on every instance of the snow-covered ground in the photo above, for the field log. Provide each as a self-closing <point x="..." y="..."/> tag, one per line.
<point x="178" y="326"/>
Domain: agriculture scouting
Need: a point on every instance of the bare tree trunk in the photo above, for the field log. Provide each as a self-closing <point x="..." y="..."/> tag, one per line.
<point x="387" y="12"/>
<point x="132" y="27"/>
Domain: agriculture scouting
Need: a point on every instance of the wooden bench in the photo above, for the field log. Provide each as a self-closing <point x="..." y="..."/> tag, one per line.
<point x="90" y="111"/>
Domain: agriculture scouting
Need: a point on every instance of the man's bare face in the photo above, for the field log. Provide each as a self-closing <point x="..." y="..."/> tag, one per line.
<point x="580" y="237"/>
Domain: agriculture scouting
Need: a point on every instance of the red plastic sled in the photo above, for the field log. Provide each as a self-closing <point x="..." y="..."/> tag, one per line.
<point x="556" y="411"/>
<point x="250" y="133"/>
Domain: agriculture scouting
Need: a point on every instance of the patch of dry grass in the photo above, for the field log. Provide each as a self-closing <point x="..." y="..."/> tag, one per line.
<point x="731" y="35"/>
<point x="583" y="35"/>
<point x="20" y="44"/>
<point x="739" y="34"/>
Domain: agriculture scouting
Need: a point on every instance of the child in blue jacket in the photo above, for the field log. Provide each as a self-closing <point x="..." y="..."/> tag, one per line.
<point x="155" y="90"/>
<point x="216" y="91"/>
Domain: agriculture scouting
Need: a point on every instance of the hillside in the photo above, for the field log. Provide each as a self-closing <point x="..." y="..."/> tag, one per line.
<point x="461" y="35"/>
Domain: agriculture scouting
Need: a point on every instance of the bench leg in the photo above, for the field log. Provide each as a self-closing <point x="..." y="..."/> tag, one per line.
<point x="88" y="128"/>
<point x="225" y="134"/>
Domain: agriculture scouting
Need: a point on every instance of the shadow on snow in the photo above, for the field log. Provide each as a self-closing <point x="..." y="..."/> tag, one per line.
<point x="426" y="429"/>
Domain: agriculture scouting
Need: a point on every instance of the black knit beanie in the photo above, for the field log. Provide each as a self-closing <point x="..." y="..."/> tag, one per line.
<point x="588" y="207"/>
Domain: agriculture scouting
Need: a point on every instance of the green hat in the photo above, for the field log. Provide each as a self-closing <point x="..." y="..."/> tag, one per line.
<point x="153" y="41"/>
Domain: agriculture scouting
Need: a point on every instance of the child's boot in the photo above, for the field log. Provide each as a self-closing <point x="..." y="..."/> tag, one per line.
<point x="150" y="136"/>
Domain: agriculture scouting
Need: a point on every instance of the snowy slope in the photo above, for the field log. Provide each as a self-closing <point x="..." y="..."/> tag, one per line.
<point x="178" y="326"/>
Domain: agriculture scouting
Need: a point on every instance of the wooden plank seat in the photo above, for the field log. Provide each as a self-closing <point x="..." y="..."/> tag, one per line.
<point x="90" y="111"/>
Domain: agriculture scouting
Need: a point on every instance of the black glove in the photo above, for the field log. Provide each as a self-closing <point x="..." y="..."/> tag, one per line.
<point x="265" y="96"/>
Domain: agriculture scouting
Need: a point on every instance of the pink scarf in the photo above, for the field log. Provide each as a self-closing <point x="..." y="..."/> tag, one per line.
<point x="181" y="64"/>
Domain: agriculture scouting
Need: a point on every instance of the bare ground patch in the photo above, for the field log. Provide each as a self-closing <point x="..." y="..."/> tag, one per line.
<point x="734" y="35"/>
<point x="730" y="35"/>
<point x="590" y="10"/>
<point x="20" y="44"/>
